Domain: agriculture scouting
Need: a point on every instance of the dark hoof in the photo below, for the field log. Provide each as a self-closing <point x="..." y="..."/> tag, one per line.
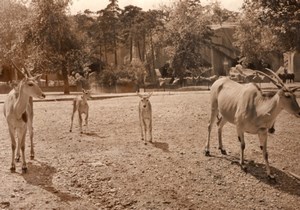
<point x="206" y="153"/>
<point x="18" y="159"/>
<point x="31" y="157"/>
<point x="271" y="130"/>
<point x="81" y="132"/>
<point x="70" y="130"/>
<point x="235" y="162"/>
<point x="271" y="178"/>
<point x="244" y="168"/>
<point x="13" y="169"/>
<point x="223" y="151"/>
<point x="24" y="170"/>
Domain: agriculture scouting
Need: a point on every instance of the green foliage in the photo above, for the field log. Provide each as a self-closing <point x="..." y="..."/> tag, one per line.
<point x="219" y="15"/>
<point x="49" y="32"/>
<point x="186" y="32"/>
<point x="50" y="36"/>
<point x="12" y="17"/>
<point x="108" y="78"/>
<point x="283" y="17"/>
<point x="268" y="27"/>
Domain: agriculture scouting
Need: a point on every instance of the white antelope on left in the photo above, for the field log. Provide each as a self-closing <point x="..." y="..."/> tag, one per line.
<point x="18" y="111"/>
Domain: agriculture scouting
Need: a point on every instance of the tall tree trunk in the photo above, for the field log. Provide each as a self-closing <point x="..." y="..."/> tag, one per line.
<point x="130" y="48"/>
<point x="105" y="50"/>
<point x="100" y="52"/>
<point x="153" y="56"/>
<point x="115" y="48"/>
<point x="139" y="50"/>
<point x="116" y="57"/>
<point x="65" y="79"/>
<point x="144" y="47"/>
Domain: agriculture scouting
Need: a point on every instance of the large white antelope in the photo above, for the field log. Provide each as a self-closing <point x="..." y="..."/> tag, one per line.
<point x="251" y="111"/>
<point x="145" y="115"/>
<point x="80" y="104"/>
<point x="18" y="111"/>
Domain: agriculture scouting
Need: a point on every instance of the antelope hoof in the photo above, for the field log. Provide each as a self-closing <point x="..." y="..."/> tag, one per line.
<point x="206" y="153"/>
<point x="244" y="168"/>
<point x="31" y="157"/>
<point x="24" y="169"/>
<point x="223" y="151"/>
<point x="18" y="158"/>
<point x="70" y="130"/>
<point x="271" y="178"/>
<point x="81" y="132"/>
<point x="271" y="130"/>
<point x="13" y="169"/>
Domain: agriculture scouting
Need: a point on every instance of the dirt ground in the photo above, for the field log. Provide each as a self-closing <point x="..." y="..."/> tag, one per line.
<point x="109" y="167"/>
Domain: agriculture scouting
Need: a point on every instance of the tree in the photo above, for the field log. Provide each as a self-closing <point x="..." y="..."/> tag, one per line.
<point x="50" y="37"/>
<point x="128" y="20"/>
<point x="109" y="26"/>
<point x="186" y="32"/>
<point x="283" y="18"/>
<point x="268" y="27"/>
<point x="12" y="16"/>
<point x="219" y="15"/>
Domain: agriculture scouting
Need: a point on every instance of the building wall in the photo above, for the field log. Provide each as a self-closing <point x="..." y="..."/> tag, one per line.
<point x="296" y="65"/>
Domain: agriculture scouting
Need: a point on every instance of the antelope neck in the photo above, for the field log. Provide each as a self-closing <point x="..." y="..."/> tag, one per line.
<point x="271" y="106"/>
<point x="21" y="103"/>
<point x="84" y="98"/>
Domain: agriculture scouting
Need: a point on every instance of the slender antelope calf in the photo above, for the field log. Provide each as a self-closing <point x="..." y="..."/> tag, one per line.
<point x="145" y="114"/>
<point x="80" y="104"/>
<point x="18" y="111"/>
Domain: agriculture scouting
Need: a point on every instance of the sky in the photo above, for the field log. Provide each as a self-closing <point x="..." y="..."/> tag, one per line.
<point x="96" y="5"/>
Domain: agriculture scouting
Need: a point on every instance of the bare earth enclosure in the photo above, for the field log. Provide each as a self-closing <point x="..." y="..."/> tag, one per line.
<point x="109" y="167"/>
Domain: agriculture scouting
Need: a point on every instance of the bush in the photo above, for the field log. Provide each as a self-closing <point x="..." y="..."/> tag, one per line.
<point x="108" y="78"/>
<point x="135" y="71"/>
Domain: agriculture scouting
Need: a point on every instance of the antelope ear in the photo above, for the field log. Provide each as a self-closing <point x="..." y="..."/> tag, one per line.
<point x="139" y="95"/>
<point x="38" y="77"/>
<point x="149" y="95"/>
<point x="14" y="84"/>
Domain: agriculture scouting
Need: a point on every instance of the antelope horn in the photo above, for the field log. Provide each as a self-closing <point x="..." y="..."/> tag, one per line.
<point x="19" y="70"/>
<point x="138" y="94"/>
<point x="27" y="72"/>
<point x="270" y="78"/>
<point x="277" y="77"/>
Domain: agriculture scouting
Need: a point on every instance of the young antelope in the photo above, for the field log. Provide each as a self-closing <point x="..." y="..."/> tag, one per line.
<point x="145" y="115"/>
<point x="80" y="104"/>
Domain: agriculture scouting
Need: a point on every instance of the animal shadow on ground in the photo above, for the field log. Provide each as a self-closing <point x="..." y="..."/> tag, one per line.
<point x="92" y="134"/>
<point x="283" y="181"/>
<point x="41" y="175"/>
<point x="161" y="145"/>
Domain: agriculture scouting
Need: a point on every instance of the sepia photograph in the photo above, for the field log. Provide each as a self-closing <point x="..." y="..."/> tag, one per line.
<point x="149" y="104"/>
